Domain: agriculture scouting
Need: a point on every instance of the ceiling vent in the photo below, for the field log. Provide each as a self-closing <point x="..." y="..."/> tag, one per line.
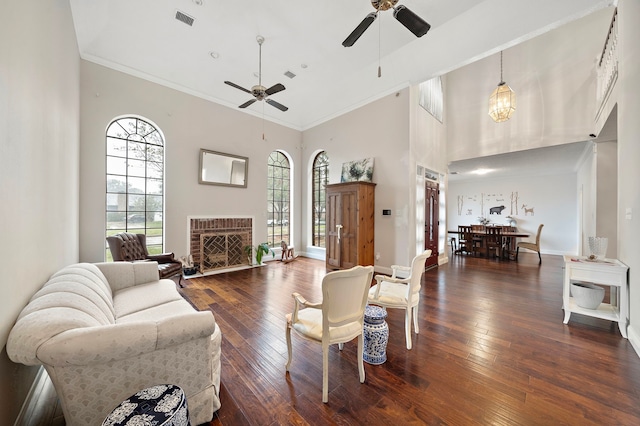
<point x="183" y="17"/>
<point x="289" y="74"/>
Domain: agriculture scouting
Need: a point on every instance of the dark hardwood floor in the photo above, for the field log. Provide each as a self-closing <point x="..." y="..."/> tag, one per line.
<point x="492" y="349"/>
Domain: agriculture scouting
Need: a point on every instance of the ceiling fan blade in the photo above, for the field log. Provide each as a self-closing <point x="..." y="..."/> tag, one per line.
<point x="238" y="87"/>
<point x="274" y="89"/>
<point x="246" y="104"/>
<point x="276" y="104"/>
<point x="360" y="29"/>
<point x="411" y="21"/>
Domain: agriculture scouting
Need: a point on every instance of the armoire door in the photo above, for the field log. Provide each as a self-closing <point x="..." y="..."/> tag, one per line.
<point x="431" y="221"/>
<point x="342" y="230"/>
<point x="349" y="229"/>
<point x="333" y="230"/>
<point x="350" y="224"/>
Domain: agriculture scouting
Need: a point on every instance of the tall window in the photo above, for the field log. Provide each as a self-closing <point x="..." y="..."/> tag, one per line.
<point x="320" y="180"/>
<point x="135" y="172"/>
<point x="432" y="97"/>
<point x="278" y="199"/>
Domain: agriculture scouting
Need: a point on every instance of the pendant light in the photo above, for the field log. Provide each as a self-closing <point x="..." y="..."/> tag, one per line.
<point x="502" y="102"/>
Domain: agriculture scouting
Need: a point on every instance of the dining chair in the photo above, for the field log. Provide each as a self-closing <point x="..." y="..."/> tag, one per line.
<point x="467" y="242"/>
<point x="454" y="244"/>
<point x="401" y="293"/>
<point x="339" y="318"/>
<point x="508" y="242"/>
<point x="477" y="237"/>
<point x="532" y="246"/>
<point x="493" y="240"/>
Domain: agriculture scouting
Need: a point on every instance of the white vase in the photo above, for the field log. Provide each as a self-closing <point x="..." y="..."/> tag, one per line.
<point x="598" y="246"/>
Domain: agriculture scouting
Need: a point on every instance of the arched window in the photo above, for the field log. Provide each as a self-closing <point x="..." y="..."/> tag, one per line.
<point x="135" y="177"/>
<point x="278" y="199"/>
<point x="320" y="180"/>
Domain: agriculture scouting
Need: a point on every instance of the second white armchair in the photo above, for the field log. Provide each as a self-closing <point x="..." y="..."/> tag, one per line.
<point x="401" y="293"/>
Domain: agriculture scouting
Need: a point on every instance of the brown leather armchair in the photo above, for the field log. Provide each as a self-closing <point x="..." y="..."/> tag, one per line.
<point x="126" y="247"/>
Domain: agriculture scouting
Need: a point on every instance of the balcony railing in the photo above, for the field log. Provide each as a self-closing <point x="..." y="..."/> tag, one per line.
<point x="607" y="66"/>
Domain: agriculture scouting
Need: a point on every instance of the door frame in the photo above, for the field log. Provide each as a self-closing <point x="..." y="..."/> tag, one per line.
<point x="422" y="175"/>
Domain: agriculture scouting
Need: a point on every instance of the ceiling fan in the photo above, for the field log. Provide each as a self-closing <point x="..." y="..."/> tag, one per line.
<point x="258" y="91"/>
<point x="410" y="20"/>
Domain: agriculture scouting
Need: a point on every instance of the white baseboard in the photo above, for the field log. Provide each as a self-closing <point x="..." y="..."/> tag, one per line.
<point x="31" y="401"/>
<point x="634" y="339"/>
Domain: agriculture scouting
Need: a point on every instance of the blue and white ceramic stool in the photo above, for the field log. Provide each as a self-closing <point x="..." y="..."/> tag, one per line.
<point x="161" y="405"/>
<point x="376" y="335"/>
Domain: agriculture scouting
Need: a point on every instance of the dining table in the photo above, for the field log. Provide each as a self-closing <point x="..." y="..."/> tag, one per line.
<point x="482" y="234"/>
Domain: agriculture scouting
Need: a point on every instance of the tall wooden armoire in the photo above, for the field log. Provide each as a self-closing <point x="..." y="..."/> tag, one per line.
<point x="350" y="224"/>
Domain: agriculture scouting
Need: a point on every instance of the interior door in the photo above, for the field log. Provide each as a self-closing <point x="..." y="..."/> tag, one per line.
<point x="431" y="221"/>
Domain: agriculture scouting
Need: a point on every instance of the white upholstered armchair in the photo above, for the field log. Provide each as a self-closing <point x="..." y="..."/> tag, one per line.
<point x="339" y="318"/>
<point x="401" y="293"/>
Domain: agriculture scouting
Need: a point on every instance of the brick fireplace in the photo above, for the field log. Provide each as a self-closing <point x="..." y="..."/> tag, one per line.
<point x="218" y="242"/>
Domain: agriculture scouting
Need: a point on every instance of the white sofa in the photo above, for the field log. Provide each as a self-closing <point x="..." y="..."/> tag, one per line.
<point x="105" y="331"/>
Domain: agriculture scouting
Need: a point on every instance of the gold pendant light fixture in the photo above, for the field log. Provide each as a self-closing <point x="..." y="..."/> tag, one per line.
<point x="502" y="102"/>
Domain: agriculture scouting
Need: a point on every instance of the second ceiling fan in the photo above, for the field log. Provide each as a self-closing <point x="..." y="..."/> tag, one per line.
<point x="410" y="20"/>
<point x="258" y="91"/>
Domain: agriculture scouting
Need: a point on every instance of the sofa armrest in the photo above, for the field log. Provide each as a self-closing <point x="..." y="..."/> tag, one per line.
<point x="121" y="275"/>
<point x="99" y="345"/>
<point x="182" y="328"/>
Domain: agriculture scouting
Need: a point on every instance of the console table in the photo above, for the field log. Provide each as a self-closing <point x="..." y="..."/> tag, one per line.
<point x="609" y="272"/>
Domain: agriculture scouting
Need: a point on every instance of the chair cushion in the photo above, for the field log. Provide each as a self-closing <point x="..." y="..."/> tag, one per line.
<point x="167" y="270"/>
<point x="391" y="294"/>
<point x="530" y="246"/>
<point x="309" y="324"/>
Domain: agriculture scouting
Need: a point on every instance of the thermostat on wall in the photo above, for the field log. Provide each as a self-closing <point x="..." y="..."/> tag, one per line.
<point x="386" y="212"/>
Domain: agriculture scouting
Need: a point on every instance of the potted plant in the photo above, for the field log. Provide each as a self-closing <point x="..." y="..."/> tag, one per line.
<point x="261" y="249"/>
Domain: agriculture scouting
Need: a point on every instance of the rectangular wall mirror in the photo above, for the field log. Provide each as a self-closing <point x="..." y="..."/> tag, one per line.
<point x="218" y="168"/>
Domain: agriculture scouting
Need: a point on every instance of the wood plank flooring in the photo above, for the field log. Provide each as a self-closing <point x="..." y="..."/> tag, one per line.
<point x="492" y="349"/>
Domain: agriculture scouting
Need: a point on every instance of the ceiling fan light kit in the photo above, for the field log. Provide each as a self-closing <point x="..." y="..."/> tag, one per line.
<point x="502" y="102"/>
<point x="406" y="17"/>
<point x="258" y="91"/>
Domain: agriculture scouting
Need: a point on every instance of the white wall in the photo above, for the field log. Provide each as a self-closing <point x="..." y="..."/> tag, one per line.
<point x="628" y="156"/>
<point x="553" y="76"/>
<point x="586" y="199"/>
<point x="39" y="113"/>
<point x="552" y="197"/>
<point x="188" y="124"/>
<point x="607" y="193"/>
<point x="379" y="130"/>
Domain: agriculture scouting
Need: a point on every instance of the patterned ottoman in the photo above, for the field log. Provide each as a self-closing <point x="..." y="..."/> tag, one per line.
<point x="161" y="405"/>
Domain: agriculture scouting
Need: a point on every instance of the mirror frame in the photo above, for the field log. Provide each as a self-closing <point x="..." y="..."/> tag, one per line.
<point x="205" y="152"/>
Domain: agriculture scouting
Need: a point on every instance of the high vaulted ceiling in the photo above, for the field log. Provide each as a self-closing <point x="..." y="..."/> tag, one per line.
<point x="143" y="38"/>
